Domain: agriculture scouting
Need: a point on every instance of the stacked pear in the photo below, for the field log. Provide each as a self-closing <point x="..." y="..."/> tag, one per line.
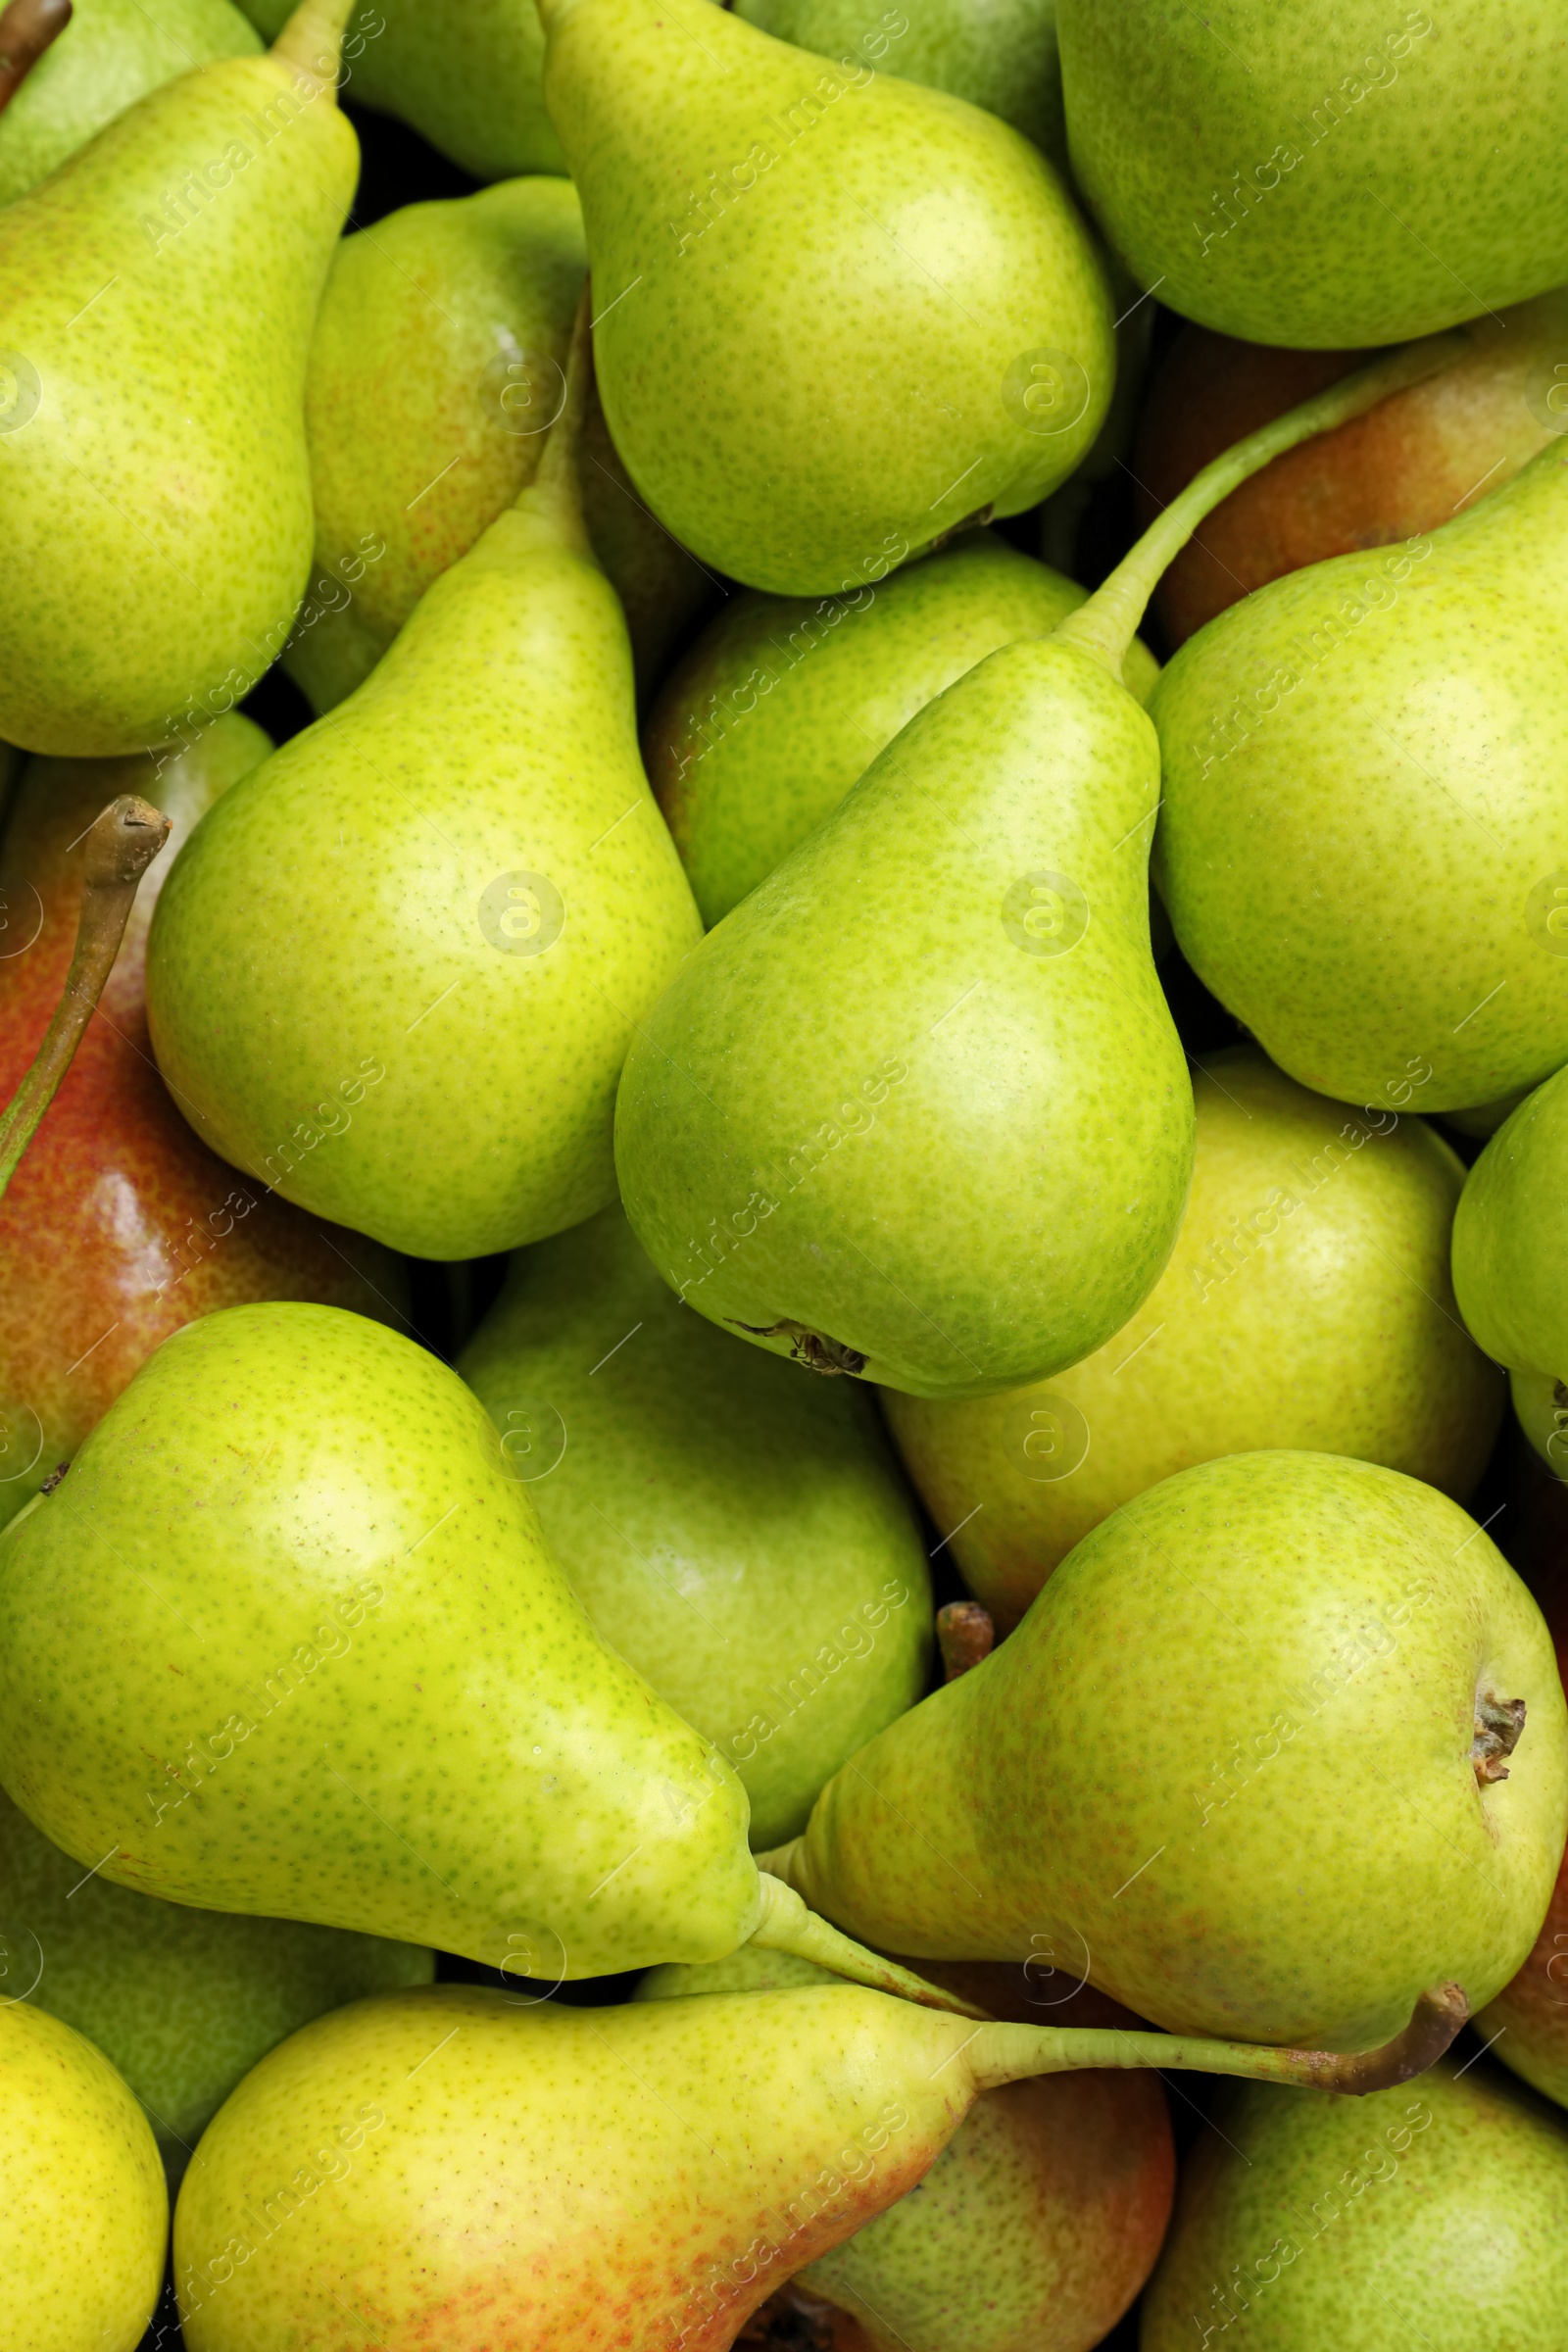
<point x="156" y="297"/>
<point x="1510" y="1260"/>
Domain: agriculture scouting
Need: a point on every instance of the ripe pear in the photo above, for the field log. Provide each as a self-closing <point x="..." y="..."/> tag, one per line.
<point x="1358" y="960"/>
<point x="738" y="1535"/>
<point x="83" y="2208"/>
<point x="467" y="78"/>
<point x="1403" y="468"/>
<point x="321" y="1666"/>
<point x="1510" y="1261"/>
<point x="182" y="2002"/>
<point x="1036" y="2226"/>
<point x="458" y="2167"/>
<point x="435" y="371"/>
<point x="1224" y="1643"/>
<point x="1306" y="1305"/>
<point x="395" y="971"/>
<point x="1305" y="180"/>
<point x="1429" y="2215"/>
<point x="1001" y="57"/>
<point x="157" y="294"/>
<point x="112" y="53"/>
<point x="962" y="357"/>
<point x="784" y="701"/>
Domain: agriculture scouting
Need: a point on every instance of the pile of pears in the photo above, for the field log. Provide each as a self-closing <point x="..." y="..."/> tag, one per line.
<point x="783" y="1176"/>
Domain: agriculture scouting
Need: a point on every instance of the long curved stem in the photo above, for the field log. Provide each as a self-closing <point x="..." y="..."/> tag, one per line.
<point x="787" y="1925"/>
<point x="1107" y="624"/>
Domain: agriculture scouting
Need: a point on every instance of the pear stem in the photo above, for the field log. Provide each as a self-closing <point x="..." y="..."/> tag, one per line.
<point x="1010" y="2053"/>
<point x="120" y="844"/>
<point x="1107" y="624"/>
<point x="26" y="29"/>
<point x="965" y="1636"/>
<point x="312" y="38"/>
<point x="786" y="1926"/>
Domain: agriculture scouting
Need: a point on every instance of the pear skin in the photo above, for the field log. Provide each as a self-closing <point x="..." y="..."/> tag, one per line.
<point x="835" y="315"/>
<point x="738" y="1535"/>
<point x="1406" y="930"/>
<point x="1307" y="1304"/>
<point x="1510" y="1263"/>
<point x="159" y="293"/>
<point x="83" y="2208"/>
<point x="1148" y="1780"/>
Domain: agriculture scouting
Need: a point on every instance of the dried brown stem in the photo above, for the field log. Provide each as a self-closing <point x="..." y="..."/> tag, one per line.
<point x="965" y="1635"/>
<point x="27" y="28"/>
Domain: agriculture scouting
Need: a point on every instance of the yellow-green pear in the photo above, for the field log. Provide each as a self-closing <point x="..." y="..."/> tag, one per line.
<point x="83" y="2208"/>
<point x="836" y="314"/>
<point x="157" y="296"/>
<point x="1307" y="1303"/>
<point x="1280" y="1743"/>
<point x="394" y="973"/>
<point x="738" y="1535"/>
<point x="1510" y="1262"/>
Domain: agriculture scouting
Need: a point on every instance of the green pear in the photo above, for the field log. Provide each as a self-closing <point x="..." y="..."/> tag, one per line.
<point x="1306" y="1305"/>
<point x="838" y="314"/>
<point x="1322" y="178"/>
<point x="785" y="701"/>
<point x="157" y="294"/>
<point x="287" y="1639"/>
<point x="1430" y="2215"/>
<point x="1510" y="1262"/>
<point x="459" y="2166"/>
<point x="112" y="53"/>
<point x="83" y="2208"/>
<point x="394" y="972"/>
<point x="436" y="366"/>
<point x="466" y="77"/>
<point x="1242" y="1763"/>
<point x="1001" y="56"/>
<point x="183" y="2002"/>
<point x="737" y="1534"/>
<point x="1418" y="929"/>
<point x="1036" y="2226"/>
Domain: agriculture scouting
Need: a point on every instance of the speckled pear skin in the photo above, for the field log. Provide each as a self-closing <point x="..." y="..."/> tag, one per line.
<point x="112" y="53"/>
<point x="784" y="701"/>
<point x="1306" y="1305"/>
<point x="397" y="968"/>
<point x="287" y="1641"/>
<point x="737" y="1534"/>
<point x="1430" y="2215"/>
<point x="469" y="78"/>
<point x="153" y="487"/>
<point x="182" y="2002"/>
<point x="1510" y="1261"/>
<point x="78" y="2171"/>
<point x="1363" y="844"/>
<point x="1353" y="175"/>
<point x="1228" y="1646"/>
<point x="952" y="973"/>
<point x="439" y="344"/>
<point x="1036" y="2226"/>
<point x="591" y="2178"/>
<point x="862" y="233"/>
<point x="1001" y="56"/>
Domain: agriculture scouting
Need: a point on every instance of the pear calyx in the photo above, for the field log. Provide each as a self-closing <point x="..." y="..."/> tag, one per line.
<point x="809" y="1348"/>
<point x="1499" y="1724"/>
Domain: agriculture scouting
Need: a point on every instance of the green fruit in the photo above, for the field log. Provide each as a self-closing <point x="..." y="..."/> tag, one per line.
<point x="435" y="370"/>
<point x="784" y="701"/>
<point x="804" y="445"/>
<point x="1323" y="177"/>
<point x="737" y="1534"/>
<point x="1001" y="56"/>
<point x="1430" y="2215"/>
<point x="1405" y="932"/>
<point x="405" y="1003"/>
<point x="112" y="53"/>
<point x="182" y="2002"/>
<point x="1510" y="1262"/>
<point x="1306" y="1305"/>
<point x="157" y="294"/>
<point x="1240" y="1764"/>
<point x="83" y="2208"/>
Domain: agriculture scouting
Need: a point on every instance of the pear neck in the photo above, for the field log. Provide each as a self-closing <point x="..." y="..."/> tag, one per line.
<point x="551" y="505"/>
<point x="1107" y="624"/>
<point x="785" y="1925"/>
<point x="313" y="39"/>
